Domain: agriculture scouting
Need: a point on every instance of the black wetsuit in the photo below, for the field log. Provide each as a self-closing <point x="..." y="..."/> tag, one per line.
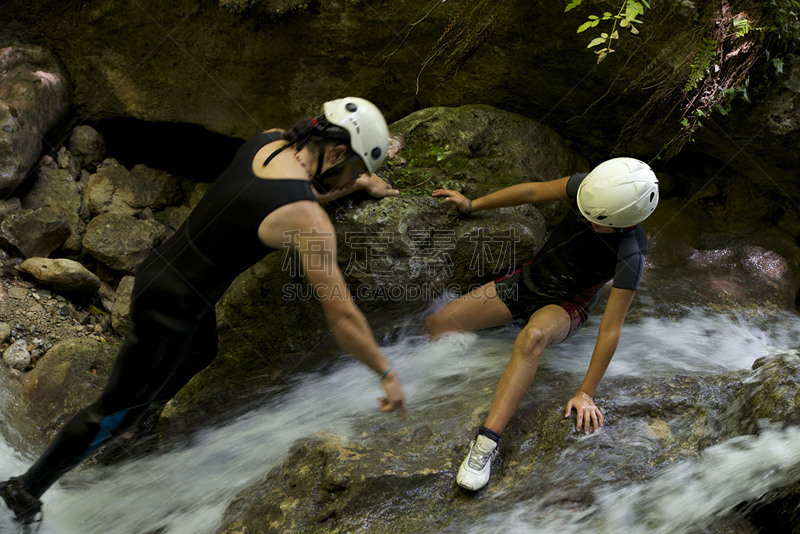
<point x="173" y="325"/>
<point x="573" y="265"/>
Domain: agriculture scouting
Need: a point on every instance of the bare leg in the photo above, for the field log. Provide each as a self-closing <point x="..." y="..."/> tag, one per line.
<point x="480" y="308"/>
<point x="548" y="325"/>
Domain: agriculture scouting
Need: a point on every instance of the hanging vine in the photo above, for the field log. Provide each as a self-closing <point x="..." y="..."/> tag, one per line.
<point x="469" y="27"/>
<point x="715" y="70"/>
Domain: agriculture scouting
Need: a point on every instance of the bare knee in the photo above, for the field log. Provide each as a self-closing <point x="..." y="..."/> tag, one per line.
<point x="435" y="325"/>
<point x="531" y="341"/>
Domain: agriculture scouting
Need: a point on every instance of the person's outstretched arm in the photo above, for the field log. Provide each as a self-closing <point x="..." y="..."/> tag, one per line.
<point x="371" y="183"/>
<point x="515" y="195"/>
<point x="317" y="250"/>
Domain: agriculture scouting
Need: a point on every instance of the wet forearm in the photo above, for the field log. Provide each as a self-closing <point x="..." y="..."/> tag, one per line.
<point x="353" y="334"/>
<point x="601" y="358"/>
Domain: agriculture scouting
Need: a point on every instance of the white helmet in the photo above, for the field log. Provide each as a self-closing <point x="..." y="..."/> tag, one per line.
<point x="619" y="193"/>
<point x="369" y="134"/>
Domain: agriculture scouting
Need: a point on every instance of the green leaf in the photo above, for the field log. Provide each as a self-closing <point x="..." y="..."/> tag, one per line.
<point x="596" y="41"/>
<point x="573" y="5"/>
<point x="593" y="17"/>
<point x="585" y="26"/>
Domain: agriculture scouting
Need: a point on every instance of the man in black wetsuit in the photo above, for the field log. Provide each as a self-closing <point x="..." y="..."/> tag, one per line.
<point x="599" y="240"/>
<point x="264" y="196"/>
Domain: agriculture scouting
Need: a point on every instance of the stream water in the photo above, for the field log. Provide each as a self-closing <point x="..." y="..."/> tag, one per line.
<point x="186" y="491"/>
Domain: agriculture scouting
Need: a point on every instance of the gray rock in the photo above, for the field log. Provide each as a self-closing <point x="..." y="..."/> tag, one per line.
<point x="165" y="188"/>
<point x="68" y="162"/>
<point x="61" y="273"/>
<point x="71" y="375"/>
<point x="5" y="331"/>
<point x="56" y="189"/>
<point x="115" y="189"/>
<point x="17" y="356"/>
<point x="121" y="242"/>
<point x="122" y="304"/>
<point x="88" y="146"/>
<point x="9" y="205"/>
<point x="36" y="232"/>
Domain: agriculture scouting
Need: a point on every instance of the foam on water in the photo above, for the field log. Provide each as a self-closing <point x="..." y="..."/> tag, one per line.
<point x="684" y="498"/>
<point x="186" y="491"/>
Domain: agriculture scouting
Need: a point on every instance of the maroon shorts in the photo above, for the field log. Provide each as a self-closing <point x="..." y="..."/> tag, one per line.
<point x="522" y="302"/>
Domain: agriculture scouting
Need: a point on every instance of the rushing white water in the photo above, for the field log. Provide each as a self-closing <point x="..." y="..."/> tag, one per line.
<point x="683" y="499"/>
<point x="186" y="491"/>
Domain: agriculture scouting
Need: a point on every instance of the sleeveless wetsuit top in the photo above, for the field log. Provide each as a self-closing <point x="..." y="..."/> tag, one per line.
<point x="219" y="239"/>
<point x="576" y="261"/>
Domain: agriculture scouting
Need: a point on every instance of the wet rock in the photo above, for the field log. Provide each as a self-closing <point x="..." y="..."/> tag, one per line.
<point x="770" y="395"/>
<point x="36" y="232"/>
<point x="66" y="379"/>
<point x="327" y="482"/>
<point x="707" y="262"/>
<point x="35" y="92"/>
<point x="88" y="146"/>
<point x="17" y="355"/>
<point x="61" y="273"/>
<point x="121" y="242"/>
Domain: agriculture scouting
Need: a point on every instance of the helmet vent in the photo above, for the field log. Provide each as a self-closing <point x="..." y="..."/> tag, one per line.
<point x="350" y="107"/>
<point x="652" y="195"/>
<point x="376" y="153"/>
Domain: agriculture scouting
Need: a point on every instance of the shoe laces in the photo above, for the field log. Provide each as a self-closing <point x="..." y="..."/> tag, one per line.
<point x="482" y="452"/>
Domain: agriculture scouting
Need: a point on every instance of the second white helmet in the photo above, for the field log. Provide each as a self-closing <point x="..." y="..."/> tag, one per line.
<point x="618" y="193"/>
<point x="369" y="134"/>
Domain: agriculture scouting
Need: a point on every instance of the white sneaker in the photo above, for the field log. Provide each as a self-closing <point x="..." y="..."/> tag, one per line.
<point x="474" y="471"/>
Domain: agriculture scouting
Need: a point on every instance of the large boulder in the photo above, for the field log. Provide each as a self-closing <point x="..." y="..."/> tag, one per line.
<point x="34" y="94"/>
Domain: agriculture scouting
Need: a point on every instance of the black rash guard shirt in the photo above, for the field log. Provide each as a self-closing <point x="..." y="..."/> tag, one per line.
<point x="219" y="239"/>
<point x="576" y="261"/>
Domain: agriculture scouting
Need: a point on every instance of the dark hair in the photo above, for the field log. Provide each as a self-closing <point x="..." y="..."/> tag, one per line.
<point x="316" y="131"/>
<point x="300" y="132"/>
